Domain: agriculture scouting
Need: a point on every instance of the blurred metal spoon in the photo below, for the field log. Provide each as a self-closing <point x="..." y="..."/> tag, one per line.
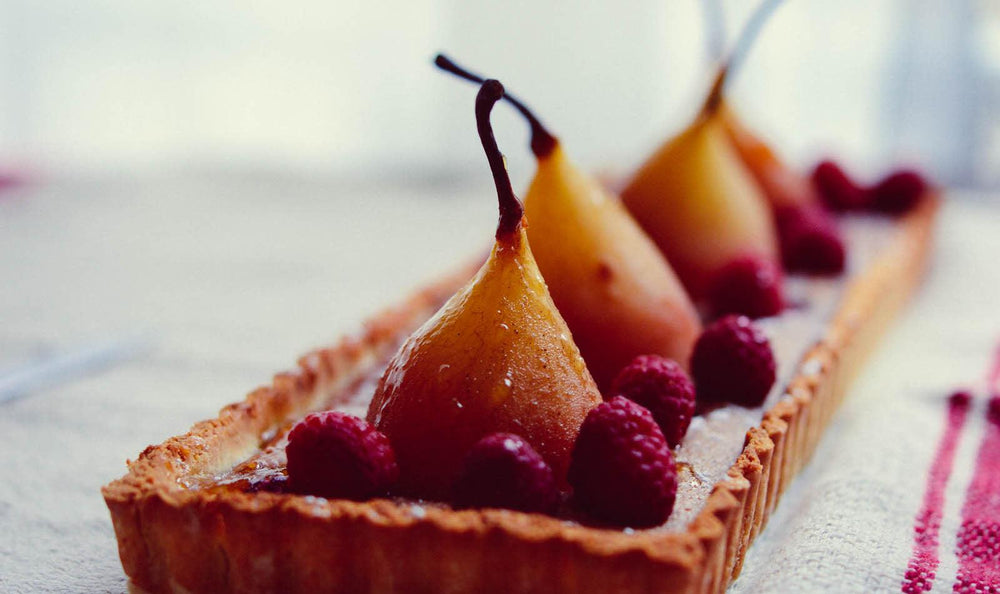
<point x="70" y="364"/>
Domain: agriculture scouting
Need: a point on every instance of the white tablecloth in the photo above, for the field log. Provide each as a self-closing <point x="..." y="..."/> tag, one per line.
<point x="226" y="281"/>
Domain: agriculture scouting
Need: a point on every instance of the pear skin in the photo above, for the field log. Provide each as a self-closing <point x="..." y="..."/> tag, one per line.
<point x="700" y="204"/>
<point x="497" y="357"/>
<point x="782" y="186"/>
<point x="610" y="282"/>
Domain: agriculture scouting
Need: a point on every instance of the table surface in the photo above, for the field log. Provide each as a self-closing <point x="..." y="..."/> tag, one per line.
<point x="217" y="282"/>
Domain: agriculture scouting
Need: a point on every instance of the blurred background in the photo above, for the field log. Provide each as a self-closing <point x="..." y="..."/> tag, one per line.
<point x="345" y="88"/>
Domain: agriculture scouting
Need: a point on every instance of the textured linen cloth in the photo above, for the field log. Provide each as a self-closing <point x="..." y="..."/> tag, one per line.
<point x="235" y="278"/>
<point x="846" y="524"/>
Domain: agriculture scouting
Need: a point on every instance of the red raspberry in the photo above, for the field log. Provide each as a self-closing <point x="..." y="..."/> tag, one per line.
<point x="838" y="191"/>
<point x="810" y="241"/>
<point x="662" y="386"/>
<point x="732" y="362"/>
<point x="502" y="470"/>
<point x="336" y="455"/>
<point x="622" y="470"/>
<point x="899" y="192"/>
<point x="748" y="285"/>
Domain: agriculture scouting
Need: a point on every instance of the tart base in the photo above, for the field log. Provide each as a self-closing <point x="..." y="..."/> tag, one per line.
<point x="176" y="538"/>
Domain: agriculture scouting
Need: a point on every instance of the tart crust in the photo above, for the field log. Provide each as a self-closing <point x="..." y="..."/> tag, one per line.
<point x="175" y="538"/>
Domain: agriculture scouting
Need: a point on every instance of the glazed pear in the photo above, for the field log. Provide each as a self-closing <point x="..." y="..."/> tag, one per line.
<point x="615" y="289"/>
<point x="616" y="292"/>
<point x="700" y="204"/>
<point x="699" y="200"/>
<point x="497" y="357"/>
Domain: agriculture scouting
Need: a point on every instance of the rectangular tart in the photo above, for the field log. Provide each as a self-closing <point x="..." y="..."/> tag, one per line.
<point x="182" y="527"/>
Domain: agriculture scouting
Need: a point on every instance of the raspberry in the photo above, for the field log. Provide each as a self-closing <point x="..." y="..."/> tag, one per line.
<point x="898" y="192"/>
<point x="748" y="285"/>
<point x="732" y="362"/>
<point x="810" y="241"/>
<point x="336" y="455"/>
<point x="622" y="470"/>
<point x="503" y="470"/>
<point x="662" y="386"/>
<point x="838" y="191"/>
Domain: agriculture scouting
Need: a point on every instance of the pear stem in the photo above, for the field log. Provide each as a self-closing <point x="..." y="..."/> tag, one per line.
<point x="511" y="209"/>
<point x="749" y="34"/>
<point x="714" y="99"/>
<point x="542" y="141"/>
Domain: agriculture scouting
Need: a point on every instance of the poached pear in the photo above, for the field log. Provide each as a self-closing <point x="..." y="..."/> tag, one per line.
<point x="611" y="284"/>
<point x="700" y="204"/>
<point x="698" y="198"/>
<point x="497" y="357"/>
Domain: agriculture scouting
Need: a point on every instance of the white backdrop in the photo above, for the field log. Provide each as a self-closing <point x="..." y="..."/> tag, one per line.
<point x="345" y="86"/>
